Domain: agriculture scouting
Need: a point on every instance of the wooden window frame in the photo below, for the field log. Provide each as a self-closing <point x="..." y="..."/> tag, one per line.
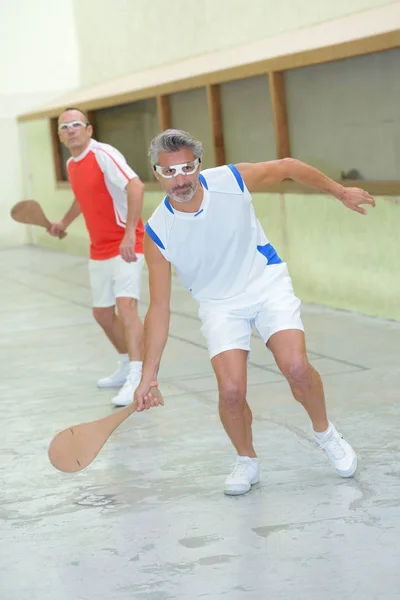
<point x="164" y="112"/>
<point x="278" y="102"/>
<point x="215" y="116"/>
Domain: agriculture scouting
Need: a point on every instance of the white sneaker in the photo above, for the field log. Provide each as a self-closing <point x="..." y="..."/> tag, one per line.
<point x="245" y="474"/>
<point x="340" y="453"/>
<point x="116" y="379"/>
<point x="125" y="395"/>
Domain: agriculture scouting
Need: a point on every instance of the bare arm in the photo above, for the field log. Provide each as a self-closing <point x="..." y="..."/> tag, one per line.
<point x="156" y="323"/>
<point x="58" y="226"/>
<point x="135" y="192"/>
<point x="257" y="176"/>
<point x="71" y="214"/>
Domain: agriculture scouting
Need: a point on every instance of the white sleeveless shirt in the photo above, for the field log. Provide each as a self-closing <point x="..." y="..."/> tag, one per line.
<point x="220" y="253"/>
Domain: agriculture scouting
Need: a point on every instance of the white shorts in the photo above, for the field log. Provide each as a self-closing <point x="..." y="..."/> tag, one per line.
<point x="115" y="278"/>
<point x="276" y="309"/>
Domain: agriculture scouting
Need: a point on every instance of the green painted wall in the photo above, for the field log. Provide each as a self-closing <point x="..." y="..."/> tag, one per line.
<point x="337" y="258"/>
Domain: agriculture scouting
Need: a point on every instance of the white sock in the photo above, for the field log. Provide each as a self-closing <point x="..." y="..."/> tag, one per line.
<point x="320" y="435"/>
<point x="246" y="459"/>
<point x="124" y="358"/>
<point x="136" y="365"/>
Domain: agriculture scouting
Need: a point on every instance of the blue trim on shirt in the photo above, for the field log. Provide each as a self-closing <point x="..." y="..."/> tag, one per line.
<point x="198" y="213"/>
<point x="270" y="254"/>
<point x="203" y="181"/>
<point x="238" y="176"/>
<point x="154" y="236"/>
<point x="168" y="204"/>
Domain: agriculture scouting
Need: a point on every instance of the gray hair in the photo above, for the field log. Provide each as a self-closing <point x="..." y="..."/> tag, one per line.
<point x="173" y="140"/>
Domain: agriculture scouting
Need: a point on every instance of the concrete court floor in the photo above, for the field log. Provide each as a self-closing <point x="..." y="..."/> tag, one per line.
<point x="148" y="519"/>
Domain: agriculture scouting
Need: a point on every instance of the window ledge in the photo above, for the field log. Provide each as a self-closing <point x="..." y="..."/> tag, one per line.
<point x="63" y="185"/>
<point x="376" y="188"/>
<point x="152" y="186"/>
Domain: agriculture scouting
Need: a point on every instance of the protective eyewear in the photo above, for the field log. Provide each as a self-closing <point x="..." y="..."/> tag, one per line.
<point x="183" y="169"/>
<point x="74" y="125"/>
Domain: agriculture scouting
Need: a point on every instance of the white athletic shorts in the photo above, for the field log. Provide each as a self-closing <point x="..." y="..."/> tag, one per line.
<point x="115" y="278"/>
<point x="275" y="308"/>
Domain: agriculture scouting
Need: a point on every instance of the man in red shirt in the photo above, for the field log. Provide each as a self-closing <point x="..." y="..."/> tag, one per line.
<point x="110" y="197"/>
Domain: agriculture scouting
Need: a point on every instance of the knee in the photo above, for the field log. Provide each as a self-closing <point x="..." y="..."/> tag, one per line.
<point x="297" y="371"/>
<point x="104" y="316"/>
<point x="231" y="395"/>
<point x="127" y="310"/>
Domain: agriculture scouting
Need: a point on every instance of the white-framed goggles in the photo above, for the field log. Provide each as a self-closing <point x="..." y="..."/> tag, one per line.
<point x="170" y="171"/>
<point x="74" y="125"/>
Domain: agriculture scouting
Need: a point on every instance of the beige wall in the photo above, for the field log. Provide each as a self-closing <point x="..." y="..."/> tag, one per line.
<point x="117" y="37"/>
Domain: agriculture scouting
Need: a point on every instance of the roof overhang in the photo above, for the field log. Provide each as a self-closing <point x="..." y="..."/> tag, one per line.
<point x="358" y="34"/>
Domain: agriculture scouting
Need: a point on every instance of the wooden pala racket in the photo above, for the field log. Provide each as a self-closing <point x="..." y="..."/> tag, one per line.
<point x="31" y="213"/>
<point x="76" y="447"/>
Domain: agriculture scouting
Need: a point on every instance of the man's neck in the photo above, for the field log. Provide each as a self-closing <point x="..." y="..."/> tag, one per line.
<point x="78" y="151"/>
<point x="193" y="205"/>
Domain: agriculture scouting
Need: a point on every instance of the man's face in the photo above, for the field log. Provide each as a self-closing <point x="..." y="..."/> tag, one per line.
<point x="73" y="131"/>
<point x="182" y="186"/>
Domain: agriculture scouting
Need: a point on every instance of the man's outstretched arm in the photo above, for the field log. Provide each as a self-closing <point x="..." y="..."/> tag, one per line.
<point x="156" y="323"/>
<point x="257" y="176"/>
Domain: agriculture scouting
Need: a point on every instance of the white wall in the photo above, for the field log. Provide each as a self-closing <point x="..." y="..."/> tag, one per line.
<point x="38" y="61"/>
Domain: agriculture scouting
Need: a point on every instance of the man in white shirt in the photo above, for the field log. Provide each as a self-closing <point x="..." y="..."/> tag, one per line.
<point x="207" y="229"/>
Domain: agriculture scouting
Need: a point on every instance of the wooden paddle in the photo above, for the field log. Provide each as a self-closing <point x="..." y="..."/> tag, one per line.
<point x="76" y="447"/>
<point x="31" y="213"/>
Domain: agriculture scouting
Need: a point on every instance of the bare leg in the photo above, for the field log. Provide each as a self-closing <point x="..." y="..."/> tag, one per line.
<point x="231" y="371"/>
<point x="133" y="327"/>
<point x="289" y="350"/>
<point x="112" y="326"/>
